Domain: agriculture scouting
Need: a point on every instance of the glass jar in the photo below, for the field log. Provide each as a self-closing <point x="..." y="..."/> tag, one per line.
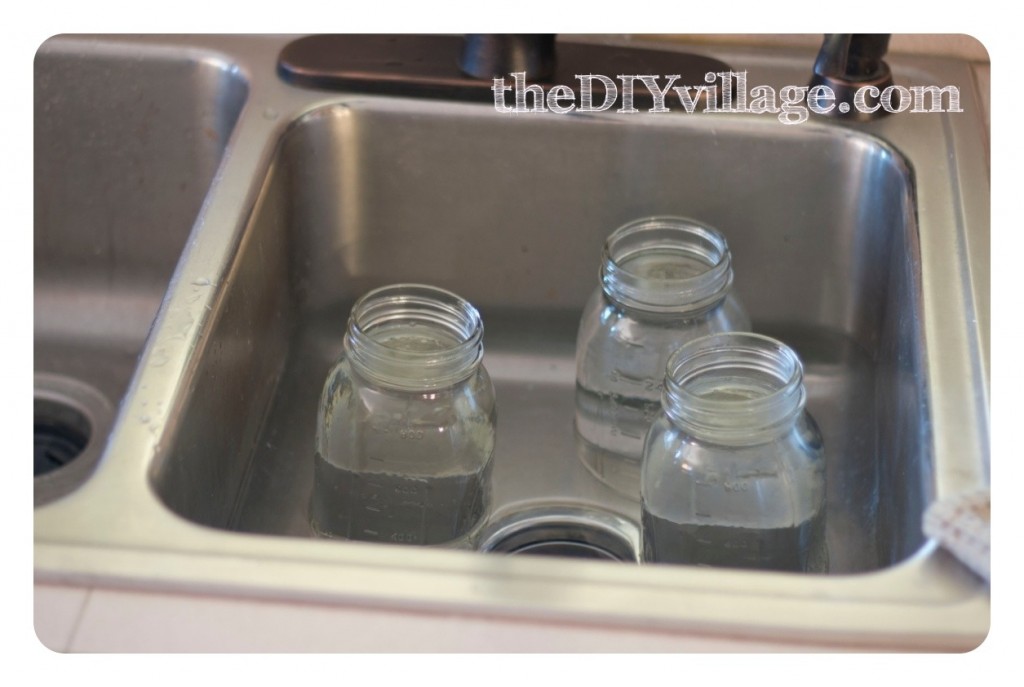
<point x="663" y="281"/>
<point x="405" y="432"/>
<point x="733" y="469"/>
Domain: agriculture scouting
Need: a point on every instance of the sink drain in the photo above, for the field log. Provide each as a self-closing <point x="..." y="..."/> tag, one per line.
<point x="572" y="532"/>
<point x="71" y="423"/>
<point x="61" y="435"/>
<point x="569" y="549"/>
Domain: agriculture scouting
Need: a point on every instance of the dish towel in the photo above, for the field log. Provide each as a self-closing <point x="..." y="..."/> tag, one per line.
<point x="961" y="524"/>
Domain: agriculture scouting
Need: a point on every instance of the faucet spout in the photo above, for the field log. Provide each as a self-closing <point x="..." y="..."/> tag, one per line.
<point x="488" y="55"/>
<point x="848" y="62"/>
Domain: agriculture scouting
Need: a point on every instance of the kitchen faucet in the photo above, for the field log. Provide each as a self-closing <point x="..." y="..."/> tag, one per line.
<point x="848" y="62"/>
<point x="487" y="55"/>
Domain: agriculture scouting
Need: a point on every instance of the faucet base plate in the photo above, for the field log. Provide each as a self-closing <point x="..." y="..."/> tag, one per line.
<point x="427" y="66"/>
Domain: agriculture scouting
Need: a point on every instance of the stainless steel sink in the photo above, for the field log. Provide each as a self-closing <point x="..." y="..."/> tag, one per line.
<point x="865" y="247"/>
<point x="128" y="138"/>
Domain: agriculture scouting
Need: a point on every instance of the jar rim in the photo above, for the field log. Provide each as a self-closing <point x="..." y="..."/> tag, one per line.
<point x="742" y="417"/>
<point x="666" y="234"/>
<point x="438" y="310"/>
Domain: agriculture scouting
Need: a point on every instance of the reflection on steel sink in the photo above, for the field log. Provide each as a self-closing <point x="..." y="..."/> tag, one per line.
<point x="127" y="140"/>
<point x="522" y="242"/>
<point x="864" y="247"/>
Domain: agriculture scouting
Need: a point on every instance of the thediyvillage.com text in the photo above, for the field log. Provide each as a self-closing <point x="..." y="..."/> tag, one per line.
<point x="725" y="92"/>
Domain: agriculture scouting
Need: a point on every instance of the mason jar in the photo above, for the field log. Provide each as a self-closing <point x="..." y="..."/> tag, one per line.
<point x="405" y="432"/>
<point x="733" y="469"/>
<point x="663" y="281"/>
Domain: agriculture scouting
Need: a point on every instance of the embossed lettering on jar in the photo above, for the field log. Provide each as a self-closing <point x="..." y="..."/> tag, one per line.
<point x="733" y="467"/>
<point x="405" y="433"/>
<point x="663" y="281"/>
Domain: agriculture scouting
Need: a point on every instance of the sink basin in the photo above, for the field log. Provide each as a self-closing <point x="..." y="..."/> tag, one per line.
<point x="845" y="297"/>
<point x="862" y="246"/>
<point x="128" y="138"/>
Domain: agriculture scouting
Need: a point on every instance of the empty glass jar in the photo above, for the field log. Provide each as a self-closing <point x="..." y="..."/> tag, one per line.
<point x="405" y="432"/>
<point x="664" y="281"/>
<point x="733" y="469"/>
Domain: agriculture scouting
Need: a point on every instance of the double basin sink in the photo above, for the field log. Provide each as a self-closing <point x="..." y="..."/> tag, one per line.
<point x="203" y="228"/>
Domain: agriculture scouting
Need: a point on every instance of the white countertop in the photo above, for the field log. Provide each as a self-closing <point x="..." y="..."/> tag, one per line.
<point x="77" y="619"/>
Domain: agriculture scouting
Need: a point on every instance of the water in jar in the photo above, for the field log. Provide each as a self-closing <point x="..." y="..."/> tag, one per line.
<point x="405" y="433"/>
<point x="664" y="281"/>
